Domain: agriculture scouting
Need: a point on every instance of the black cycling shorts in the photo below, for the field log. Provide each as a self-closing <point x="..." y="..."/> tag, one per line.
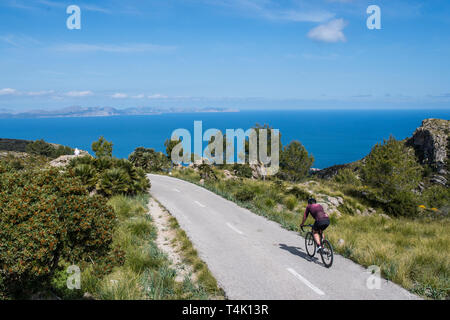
<point x="321" y="225"/>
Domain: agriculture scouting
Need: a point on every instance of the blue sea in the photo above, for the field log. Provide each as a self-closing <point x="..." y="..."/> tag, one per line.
<point x="332" y="136"/>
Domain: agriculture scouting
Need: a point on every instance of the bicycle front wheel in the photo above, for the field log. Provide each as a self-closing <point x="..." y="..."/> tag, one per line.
<point x="327" y="253"/>
<point x="310" y="244"/>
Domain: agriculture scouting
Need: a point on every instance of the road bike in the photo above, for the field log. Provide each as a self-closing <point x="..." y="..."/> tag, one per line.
<point x="327" y="250"/>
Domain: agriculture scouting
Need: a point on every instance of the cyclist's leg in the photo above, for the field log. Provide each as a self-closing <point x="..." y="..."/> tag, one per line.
<point x="316" y="235"/>
<point x="316" y="231"/>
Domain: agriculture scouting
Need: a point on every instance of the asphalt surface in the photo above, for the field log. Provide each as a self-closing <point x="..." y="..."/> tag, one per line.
<point x="254" y="258"/>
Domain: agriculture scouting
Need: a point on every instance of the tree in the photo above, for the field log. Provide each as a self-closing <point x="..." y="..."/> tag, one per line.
<point x="258" y="128"/>
<point x="393" y="170"/>
<point x="295" y="162"/>
<point x="46" y="216"/>
<point x="392" y="167"/>
<point x="170" y="144"/>
<point x="102" y="148"/>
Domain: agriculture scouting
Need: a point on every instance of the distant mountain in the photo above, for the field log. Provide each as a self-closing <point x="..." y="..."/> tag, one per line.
<point x="77" y="111"/>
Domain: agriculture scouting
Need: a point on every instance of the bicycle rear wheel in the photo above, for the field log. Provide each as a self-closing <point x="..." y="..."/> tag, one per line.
<point x="327" y="254"/>
<point x="310" y="244"/>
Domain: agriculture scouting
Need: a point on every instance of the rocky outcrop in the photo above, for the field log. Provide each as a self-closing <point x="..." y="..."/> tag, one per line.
<point x="431" y="143"/>
<point x="63" y="161"/>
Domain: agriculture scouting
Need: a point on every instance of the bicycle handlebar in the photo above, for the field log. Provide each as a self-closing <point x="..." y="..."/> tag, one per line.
<point x="308" y="225"/>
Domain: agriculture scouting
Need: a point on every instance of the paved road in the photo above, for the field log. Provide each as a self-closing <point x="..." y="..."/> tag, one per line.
<point x="254" y="258"/>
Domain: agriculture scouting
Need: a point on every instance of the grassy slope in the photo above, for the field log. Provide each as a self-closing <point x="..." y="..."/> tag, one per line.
<point x="146" y="272"/>
<point x="411" y="252"/>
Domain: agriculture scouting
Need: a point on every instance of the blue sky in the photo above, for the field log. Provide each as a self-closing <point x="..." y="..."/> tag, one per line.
<point x="245" y="54"/>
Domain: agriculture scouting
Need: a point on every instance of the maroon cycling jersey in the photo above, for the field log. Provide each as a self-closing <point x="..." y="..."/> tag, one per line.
<point x="316" y="211"/>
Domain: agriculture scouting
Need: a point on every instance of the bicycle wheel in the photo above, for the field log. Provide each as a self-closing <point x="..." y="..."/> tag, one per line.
<point x="327" y="253"/>
<point x="310" y="244"/>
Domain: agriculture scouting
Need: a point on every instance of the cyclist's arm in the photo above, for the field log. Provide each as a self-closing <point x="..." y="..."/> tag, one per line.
<point x="305" y="216"/>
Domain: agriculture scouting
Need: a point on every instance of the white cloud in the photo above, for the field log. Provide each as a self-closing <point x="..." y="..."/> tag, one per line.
<point x="119" y="95"/>
<point x="329" y="32"/>
<point x="79" y="93"/>
<point x="125" y="48"/>
<point x="7" y="91"/>
<point x="40" y="93"/>
<point x="157" y="96"/>
<point x="139" y="96"/>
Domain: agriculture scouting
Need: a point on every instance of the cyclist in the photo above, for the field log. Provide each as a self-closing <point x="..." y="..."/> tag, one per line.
<point x="322" y="220"/>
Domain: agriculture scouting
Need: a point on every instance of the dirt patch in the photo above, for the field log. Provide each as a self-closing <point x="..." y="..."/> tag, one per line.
<point x="167" y="240"/>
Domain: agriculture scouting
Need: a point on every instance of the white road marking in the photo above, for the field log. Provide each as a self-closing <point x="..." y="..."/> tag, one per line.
<point x="201" y="205"/>
<point x="234" y="228"/>
<point x="309" y="284"/>
<point x="176" y="190"/>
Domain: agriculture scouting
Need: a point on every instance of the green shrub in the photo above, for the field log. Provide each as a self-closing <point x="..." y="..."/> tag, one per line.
<point x="299" y="193"/>
<point x="290" y="202"/>
<point x="110" y="176"/>
<point x="244" y="195"/>
<point x="242" y="170"/>
<point x="42" y="148"/>
<point x="113" y="182"/>
<point x="46" y="216"/>
<point x="206" y="172"/>
<point x="149" y="160"/>
<point x="87" y="175"/>
<point x="347" y="176"/>
<point x="82" y="160"/>
<point x="294" y="162"/>
<point x="436" y="196"/>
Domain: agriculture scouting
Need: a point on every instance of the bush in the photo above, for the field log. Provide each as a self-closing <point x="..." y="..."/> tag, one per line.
<point x="110" y="176"/>
<point x="46" y="216"/>
<point x="113" y="182"/>
<point x="206" y="172"/>
<point x="87" y="175"/>
<point x="42" y="148"/>
<point x="347" y="176"/>
<point x="149" y="160"/>
<point x="436" y="196"/>
<point x="242" y="170"/>
<point x="300" y="193"/>
<point x="244" y="195"/>
<point x="294" y="162"/>
<point x="290" y="202"/>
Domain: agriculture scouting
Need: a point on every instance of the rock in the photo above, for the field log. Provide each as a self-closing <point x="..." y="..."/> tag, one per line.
<point x="430" y="141"/>
<point x="64" y="161"/>
<point x="335" y="201"/>
<point x="202" y="181"/>
<point x="438" y="179"/>
<point x="341" y="242"/>
<point x="228" y="175"/>
<point x="88" y="296"/>
<point x="358" y="212"/>
<point x="385" y="216"/>
<point x="258" y="170"/>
